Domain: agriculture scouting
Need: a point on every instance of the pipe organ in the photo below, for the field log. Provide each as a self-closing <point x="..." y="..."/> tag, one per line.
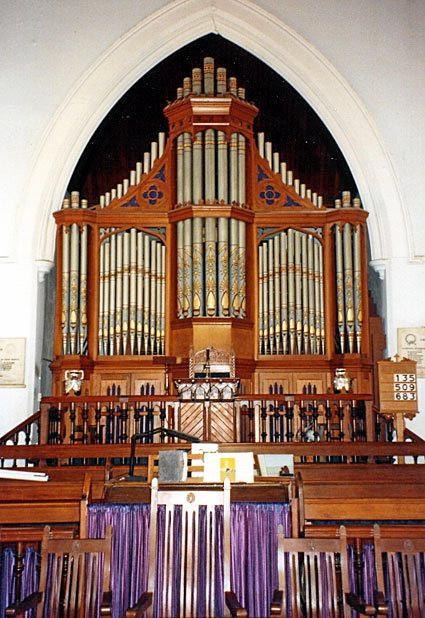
<point x="212" y="241"/>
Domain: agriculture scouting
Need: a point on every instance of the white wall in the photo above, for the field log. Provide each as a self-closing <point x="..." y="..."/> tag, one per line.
<point x="63" y="66"/>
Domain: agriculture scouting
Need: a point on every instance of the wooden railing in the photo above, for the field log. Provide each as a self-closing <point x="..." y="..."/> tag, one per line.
<point x="256" y="418"/>
<point x="108" y="454"/>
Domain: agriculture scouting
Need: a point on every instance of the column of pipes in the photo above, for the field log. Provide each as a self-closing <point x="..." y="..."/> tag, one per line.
<point x="74" y="322"/>
<point x="209" y="169"/>
<point x="211" y="264"/>
<point x="348" y="278"/>
<point x="266" y="151"/>
<point x="156" y="151"/>
<point x="291" y="297"/>
<point x="131" y="293"/>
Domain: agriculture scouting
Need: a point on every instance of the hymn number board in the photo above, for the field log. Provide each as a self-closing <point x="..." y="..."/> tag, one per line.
<point x="398" y="385"/>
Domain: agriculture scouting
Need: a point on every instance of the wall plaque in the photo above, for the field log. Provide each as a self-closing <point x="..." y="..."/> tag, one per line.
<point x="12" y="362"/>
<point x="411" y="344"/>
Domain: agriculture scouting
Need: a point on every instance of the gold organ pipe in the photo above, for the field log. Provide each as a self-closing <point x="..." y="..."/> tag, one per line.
<point x="358" y="300"/>
<point x="210" y="267"/>
<point x="158" y="297"/>
<point x="260" y="299"/>
<point x="125" y="290"/>
<point x="317" y="295"/>
<point x="133" y="288"/>
<point x="146" y="292"/>
<point x="340" y="287"/>
<point x="180" y="198"/>
<point x="118" y="295"/>
<point x="304" y="287"/>
<point x="284" y="290"/>
<point x="234" y="269"/>
<point x="112" y="291"/>
<point x="311" y="308"/>
<point x="233" y="168"/>
<point x="187" y="268"/>
<point x="242" y="267"/>
<point x="180" y="270"/>
<point x="162" y="345"/>
<point x="277" y="297"/>
<point x="209" y="75"/>
<point x="106" y="295"/>
<point x="152" y="308"/>
<point x="222" y="167"/>
<point x="270" y="286"/>
<point x="65" y="288"/>
<point x="241" y="169"/>
<point x="322" y="302"/>
<point x="101" y="294"/>
<point x="187" y="168"/>
<point x="298" y="292"/>
<point x="209" y="166"/>
<point x="139" y="284"/>
<point x="348" y="285"/>
<point x="265" y="297"/>
<point x="197" y="265"/>
<point x="223" y="266"/>
<point x="197" y="168"/>
<point x="291" y="291"/>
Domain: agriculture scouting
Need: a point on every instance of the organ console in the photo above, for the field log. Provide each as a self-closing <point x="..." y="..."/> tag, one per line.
<point x="210" y="242"/>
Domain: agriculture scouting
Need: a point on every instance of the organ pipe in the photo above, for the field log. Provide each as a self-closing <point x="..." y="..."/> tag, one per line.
<point x="291" y="310"/>
<point x="210" y="168"/>
<point x="211" y="264"/>
<point x="223" y="266"/>
<point x="131" y="294"/>
<point x="349" y="297"/>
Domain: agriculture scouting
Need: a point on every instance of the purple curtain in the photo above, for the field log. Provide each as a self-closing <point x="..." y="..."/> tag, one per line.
<point x="254" y="553"/>
<point x="30" y="576"/>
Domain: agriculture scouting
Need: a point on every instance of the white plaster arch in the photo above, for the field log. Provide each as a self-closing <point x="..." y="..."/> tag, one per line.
<point x="268" y="38"/>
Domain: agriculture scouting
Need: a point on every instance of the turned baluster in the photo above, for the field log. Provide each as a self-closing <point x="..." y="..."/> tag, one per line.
<point x="263" y="421"/>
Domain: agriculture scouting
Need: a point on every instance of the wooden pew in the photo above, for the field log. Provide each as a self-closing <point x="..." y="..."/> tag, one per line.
<point x="54" y="502"/>
<point x="360" y="493"/>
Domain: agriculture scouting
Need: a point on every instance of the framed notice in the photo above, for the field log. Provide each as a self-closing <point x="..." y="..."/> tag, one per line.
<point x="411" y="344"/>
<point x="12" y="362"/>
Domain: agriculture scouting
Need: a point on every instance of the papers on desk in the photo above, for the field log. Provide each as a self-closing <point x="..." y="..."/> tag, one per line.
<point x="23" y="475"/>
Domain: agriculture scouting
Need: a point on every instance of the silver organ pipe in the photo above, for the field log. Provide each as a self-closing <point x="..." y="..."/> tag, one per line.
<point x="125" y="290"/>
<point x="112" y="291"/>
<point x="242" y="268"/>
<point x="223" y="267"/>
<point x="180" y="269"/>
<point x="276" y="282"/>
<point x="197" y="266"/>
<point x="260" y="300"/>
<point x="270" y="279"/>
<point x="65" y="284"/>
<point x="210" y="267"/>
<point x="74" y="326"/>
<point x="290" y="306"/>
<point x="211" y="168"/>
<point x="216" y="247"/>
<point x="133" y="288"/>
<point x="349" y="296"/>
<point x="131" y="294"/>
<point x="118" y="295"/>
<point x="209" y="165"/>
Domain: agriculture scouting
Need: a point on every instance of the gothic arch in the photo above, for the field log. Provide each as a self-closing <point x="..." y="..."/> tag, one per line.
<point x="249" y="26"/>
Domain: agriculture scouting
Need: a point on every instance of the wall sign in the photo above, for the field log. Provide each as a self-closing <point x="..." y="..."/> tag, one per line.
<point x="397" y="386"/>
<point x="12" y="362"/>
<point x="411" y="344"/>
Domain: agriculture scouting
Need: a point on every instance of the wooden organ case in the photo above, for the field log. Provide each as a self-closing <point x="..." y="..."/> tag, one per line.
<point x="211" y="242"/>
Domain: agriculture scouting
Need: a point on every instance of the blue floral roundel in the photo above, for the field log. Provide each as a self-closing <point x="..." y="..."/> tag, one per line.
<point x="269" y="195"/>
<point x="152" y="195"/>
